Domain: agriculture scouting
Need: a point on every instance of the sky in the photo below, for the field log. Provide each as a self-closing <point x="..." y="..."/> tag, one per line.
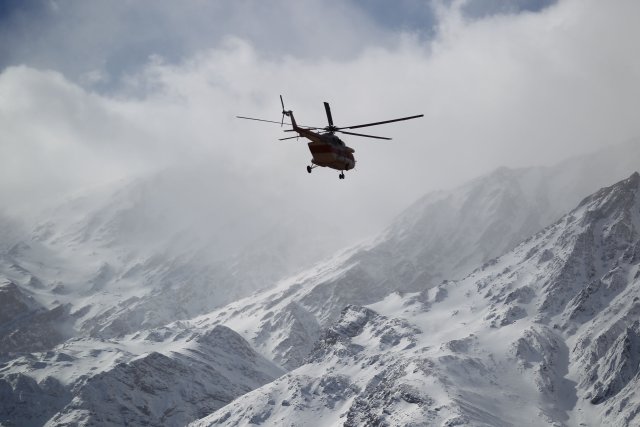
<point x="94" y="92"/>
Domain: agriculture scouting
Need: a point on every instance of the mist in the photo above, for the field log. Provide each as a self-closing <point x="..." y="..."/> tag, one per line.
<point x="497" y="87"/>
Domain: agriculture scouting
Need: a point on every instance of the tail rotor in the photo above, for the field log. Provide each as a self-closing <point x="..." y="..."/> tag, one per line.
<point x="284" y="112"/>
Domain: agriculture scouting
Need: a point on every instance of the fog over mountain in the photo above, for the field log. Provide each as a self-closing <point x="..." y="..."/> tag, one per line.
<point x="99" y="322"/>
<point x="164" y="263"/>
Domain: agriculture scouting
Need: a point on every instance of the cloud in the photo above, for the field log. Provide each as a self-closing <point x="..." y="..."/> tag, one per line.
<point x="504" y="89"/>
<point x="54" y="135"/>
<point x="98" y="43"/>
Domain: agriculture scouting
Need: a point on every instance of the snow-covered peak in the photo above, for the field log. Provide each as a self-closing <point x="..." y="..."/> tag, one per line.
<point x="158" y="378"/>
<point x="443" y="235"/>
<point x="546" y="333"/>
<point x="545" y="330"/>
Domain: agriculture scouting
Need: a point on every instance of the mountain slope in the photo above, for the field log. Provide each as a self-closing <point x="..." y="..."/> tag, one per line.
<point x="142" y="254"/>
<point x="159" y="249"/>
<point x="547" y="333"/>
<point x="158" y="378"/>
<point x="107" y="276"/>
<point x="442" y="236"/>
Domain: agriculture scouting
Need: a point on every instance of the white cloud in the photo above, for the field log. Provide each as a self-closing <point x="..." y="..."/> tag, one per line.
<point x="513" y="90"/>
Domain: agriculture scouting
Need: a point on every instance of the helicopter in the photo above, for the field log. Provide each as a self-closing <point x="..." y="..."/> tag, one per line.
<point x="326" y="148"/>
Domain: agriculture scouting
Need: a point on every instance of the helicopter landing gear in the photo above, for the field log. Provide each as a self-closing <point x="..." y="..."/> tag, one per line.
<point x="341" y="176"/>
<point x="309" y="169"/>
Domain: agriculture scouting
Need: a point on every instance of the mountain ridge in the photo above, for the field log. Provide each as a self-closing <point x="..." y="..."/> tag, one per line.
<point x="366" y="306"/>
<point x="487" y="350"/>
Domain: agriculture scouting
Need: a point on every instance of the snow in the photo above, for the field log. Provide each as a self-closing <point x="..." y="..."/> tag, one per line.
<point x="544" y="330"/>
<point x="460" y="348"/>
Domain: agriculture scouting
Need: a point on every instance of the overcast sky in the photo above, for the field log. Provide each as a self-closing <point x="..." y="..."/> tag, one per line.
<point x="96" y="91"/>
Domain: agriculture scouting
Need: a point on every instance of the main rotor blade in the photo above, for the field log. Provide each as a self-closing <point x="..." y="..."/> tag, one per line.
<point x="381" y="123"/>
<point x="303" y="127"/>
<point x="362" y="134"/>
<point x="258" y="120"/>
<point x="327" y="109"/>
<point x="291" y="137"/>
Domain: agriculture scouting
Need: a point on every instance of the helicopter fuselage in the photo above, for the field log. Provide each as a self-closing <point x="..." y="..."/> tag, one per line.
<point x="329" y="151"/>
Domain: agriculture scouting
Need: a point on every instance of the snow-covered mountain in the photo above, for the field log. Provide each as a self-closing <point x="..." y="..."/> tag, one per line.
<point x="545" y="334"/>
<point x="102" y="296"/>
<point x="444" y="235"/>
<point x="156" y="250"/>
<point x="157" y="378"/>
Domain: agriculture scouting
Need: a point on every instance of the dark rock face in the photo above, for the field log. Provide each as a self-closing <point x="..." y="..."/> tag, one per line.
<point x="26" y="326"/>
<point x="620" y="366"/>
<point x="337" y="338"/>
<point x="27" y="403"/>
<point x="154" y="390"/>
